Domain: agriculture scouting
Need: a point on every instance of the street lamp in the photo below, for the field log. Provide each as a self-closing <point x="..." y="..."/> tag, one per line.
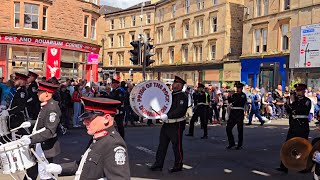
<point x="103" y="38"/>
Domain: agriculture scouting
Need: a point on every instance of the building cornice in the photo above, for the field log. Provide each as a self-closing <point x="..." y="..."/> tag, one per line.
<point x="95" y="5"/>
<point x="129" y="11"/>
<point x="262" y="55"/>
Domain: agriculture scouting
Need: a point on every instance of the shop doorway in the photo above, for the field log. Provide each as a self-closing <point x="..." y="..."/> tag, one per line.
<point x="269" y="76"/>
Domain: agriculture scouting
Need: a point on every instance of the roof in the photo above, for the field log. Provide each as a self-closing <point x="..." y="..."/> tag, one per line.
<point x="105" y="9"/>
<point x="147" y="3"/>
<point x="139" y="5"/>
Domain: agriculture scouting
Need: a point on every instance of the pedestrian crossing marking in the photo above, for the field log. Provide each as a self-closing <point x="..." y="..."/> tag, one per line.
<point x="260" y="173"/>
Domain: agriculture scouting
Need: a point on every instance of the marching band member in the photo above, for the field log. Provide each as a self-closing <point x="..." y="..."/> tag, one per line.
<point x="33" y="103"/>
<point x="49" y="118"/>
<point x="107" y="156"/>
<point x="298" y="117"/>
<point x="173" y="127"/>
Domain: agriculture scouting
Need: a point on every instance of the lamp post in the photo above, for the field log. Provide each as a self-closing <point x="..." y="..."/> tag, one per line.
<point x="102" y="41"/>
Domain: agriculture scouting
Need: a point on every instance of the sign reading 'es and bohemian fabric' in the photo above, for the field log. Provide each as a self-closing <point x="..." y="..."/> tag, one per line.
<point x="49" y="42"/>
<point x="53" y="62"/>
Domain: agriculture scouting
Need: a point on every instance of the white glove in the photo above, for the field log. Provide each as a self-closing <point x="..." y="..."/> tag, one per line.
<point x="164" y="117"/>
<point x="316" y="157"/>
<point x="3" y="107"/>
<point x="5" y="113"/>
<point x="25" y="140"/>
<point x="53" y="168"/>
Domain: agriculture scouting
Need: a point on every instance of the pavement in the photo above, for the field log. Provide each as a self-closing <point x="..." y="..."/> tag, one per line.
<point x="203" y="159"/>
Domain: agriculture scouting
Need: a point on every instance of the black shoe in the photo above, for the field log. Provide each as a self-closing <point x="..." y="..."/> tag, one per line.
<point x="230" y="146"/>
<point x="155" y="168"/>
<point x="262" y="123"/>
<point x="204" y="137"/>
<point x="248" y="124"/>
<point x="304" y="171"/>
<point x="189" y="135"/>
<point x="238" y="147"/>
<point x="175" y="169"/>
<point x="284" y="170"/>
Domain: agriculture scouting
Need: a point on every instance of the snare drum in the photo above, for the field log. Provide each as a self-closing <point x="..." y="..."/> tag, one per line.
<point x="3" y="126"/>
<point x="15" y="157"/>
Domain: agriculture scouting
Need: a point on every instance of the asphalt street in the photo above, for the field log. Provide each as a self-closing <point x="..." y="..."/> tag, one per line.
<point x="203" y="159"/>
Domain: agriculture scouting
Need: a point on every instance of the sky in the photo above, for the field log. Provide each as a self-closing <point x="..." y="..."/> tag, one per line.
<point x="120" y="3"/>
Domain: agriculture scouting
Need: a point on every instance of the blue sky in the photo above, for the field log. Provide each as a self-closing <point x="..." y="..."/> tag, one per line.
<point x="120" y="3"/>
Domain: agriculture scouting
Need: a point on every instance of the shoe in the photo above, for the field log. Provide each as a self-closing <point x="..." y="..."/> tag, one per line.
<point x="204" y="137"/>
<point x="175" y="169"/>
<point x="248" y="124"/>
<point x="262" y="123"/>
<point x="191" y="135"/>
<point x="238" y="147"/>
<point x="230" y="146"/>
<point x="155" y="168"/>
<point x="284" y="170"/>
<point x="304" y="171"/>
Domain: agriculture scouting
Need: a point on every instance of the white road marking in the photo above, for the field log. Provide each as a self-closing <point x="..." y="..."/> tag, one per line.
<point x="148" y="151"/>
<point x="260" y="173"/>
<point x="227" y="171"/>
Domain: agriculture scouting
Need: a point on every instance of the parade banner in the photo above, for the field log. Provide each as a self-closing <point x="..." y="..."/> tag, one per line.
<point x="53" y="62"/>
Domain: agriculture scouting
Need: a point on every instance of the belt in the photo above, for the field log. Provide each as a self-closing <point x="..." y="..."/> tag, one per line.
<point x="203" y="104"/>
<point x="174" y="120"/>
<point x="237" y="108"/>
<point x="300" y="116"/>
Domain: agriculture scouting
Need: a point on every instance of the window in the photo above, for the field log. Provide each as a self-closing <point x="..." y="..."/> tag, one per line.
<point x="147" y="34"/>
<point x="286" y="5"/>
<point x="161" y="11"/>
<point x="187" y="6"/>
<point x="132" y="36"/>
<point x="186" y="30"/>
<point x="93" y="29"/>
<point x="159" y="35"/>
<point x="120" y="59"/>
<point x="148" y="18"/>
<point x="214" y="26"/>
<point x="16" y="14"/>
<point x="198" y="53"/>
<point x="133" y="21"/>
<point x="266" y="7"/>
<point x="110" y="41"/>
<point x="122" y="23"/>
<point x="171" y="55"/>
<point x="121" y="40"/>
<point x="260" y="40"/>
<point x="110" y="59"/>
<point x="173" y="10"/>
<point x="258" y="8"/>
<point x="159" y="57"/>
<point x="172" y="33"/>
<point x="95" y="2"/>
<point x="31" y="16"/>
<point x="185" y="54"/>
<point x="284" y="36"/>
<point x="199" y="27"/>
<point x="112" y="24"/>
<point x="213" y="52"/>
<point x="200" y="4"/>
<point x="214" y="2"/>
<point x="85" y="28"/>
<point x="44" y="18"/>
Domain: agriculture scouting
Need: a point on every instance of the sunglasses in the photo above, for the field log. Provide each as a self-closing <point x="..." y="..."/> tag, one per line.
<point x="90" y="115"/>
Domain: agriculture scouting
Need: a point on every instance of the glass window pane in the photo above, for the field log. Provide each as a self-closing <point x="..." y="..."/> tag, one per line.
<point x="35" y="9"/>
<point x="27" y="8"/>
<point x="16" y="7"/>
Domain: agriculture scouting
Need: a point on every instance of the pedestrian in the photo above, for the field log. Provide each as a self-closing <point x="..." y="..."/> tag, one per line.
<point x="236" y="117"/>
<point x="255" y="107"/>
<point x="201" y="110"/>
<point x="278" y="96"/>
<point x="107" y="156"/>
<point x="76" y="99"/>
<point x="64" y="106"/>
<point x="33" y="103"/>
<point x="172" y="129"/>
<point x="298" y="111"/>
<point x="118" y="94"/>
<point x="49" y="118"/>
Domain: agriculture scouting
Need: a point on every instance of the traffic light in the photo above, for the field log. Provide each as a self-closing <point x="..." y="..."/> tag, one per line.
<point x="135" y="53"/>
<point x="149" y="54"/>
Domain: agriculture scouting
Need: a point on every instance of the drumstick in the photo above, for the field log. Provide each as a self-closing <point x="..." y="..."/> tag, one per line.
<point x="41" y="161"/>
<point x="155" y="111"/>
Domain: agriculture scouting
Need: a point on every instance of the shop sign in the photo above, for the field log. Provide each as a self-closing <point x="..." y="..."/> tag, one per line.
<point x="232" y="72"/>
<point x="93" y="58"/>
<point x="49" y="42"/>
<point x="53" y="62"/>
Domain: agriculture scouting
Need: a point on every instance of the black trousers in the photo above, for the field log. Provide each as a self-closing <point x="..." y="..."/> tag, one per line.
<point x="33" y="171"/>
<point x="171" y="132"/>
<point x="119" y="121"/>
<point x="236" y="118"/>
<point x="201" y="111"/>
<point x="297" y="130"/>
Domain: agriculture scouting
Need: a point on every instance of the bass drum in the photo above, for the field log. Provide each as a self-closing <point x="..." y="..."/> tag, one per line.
<point x="150" y="99"/>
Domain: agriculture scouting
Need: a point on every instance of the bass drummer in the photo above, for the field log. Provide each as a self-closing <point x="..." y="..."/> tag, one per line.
<point x="172" y="128"/>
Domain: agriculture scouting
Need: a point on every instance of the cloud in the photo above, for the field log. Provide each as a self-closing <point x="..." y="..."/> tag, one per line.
<point x="120" y="3"/>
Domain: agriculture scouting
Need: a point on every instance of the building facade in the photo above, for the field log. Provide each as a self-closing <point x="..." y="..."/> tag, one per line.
<point x="36" y="34"/>
<point x="194" y="39"/>
<point x="267" y="28"/>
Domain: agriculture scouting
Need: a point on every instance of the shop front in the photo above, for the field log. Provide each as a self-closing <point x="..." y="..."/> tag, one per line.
<point x="47" y="57"/>
<point x="265" y="72"/>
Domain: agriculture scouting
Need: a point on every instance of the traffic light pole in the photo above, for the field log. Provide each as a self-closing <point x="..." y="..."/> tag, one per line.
<point x="144" y="64"/>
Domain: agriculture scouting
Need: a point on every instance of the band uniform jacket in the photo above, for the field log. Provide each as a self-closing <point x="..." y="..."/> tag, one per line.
<point x="17" y="107"/>
<point x="238" y="99"/>
<point x="298" y="107"/>
<point x="49" y="117"/>
<point x="179" y="105"/>
<point x="107" y="158"/>
<point x="33" y="103"/>
<point x="118" y="94"/>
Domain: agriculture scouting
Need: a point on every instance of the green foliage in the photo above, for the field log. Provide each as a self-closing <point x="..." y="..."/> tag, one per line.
<point x="229" y="83"/>
<point x="296" y="80"/>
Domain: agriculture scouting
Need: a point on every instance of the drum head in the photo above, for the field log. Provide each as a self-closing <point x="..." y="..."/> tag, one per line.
<point x="150" y="99"/>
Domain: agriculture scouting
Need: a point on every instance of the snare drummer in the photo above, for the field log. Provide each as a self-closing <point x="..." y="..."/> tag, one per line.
<point x="173" y="127"/>
<point x="48" y="118"/>
<point x="107" y="156"/>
